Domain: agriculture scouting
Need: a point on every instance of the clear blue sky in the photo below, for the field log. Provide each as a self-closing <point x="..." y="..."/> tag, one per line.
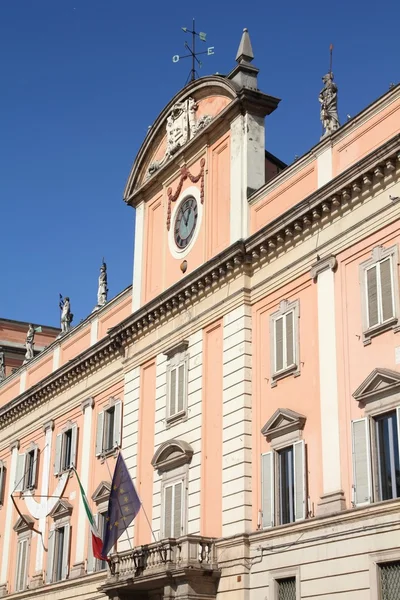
<point x="81" y="80"/>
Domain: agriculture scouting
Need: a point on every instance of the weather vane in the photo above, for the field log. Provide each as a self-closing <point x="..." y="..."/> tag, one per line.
<point x="192" y="51"/>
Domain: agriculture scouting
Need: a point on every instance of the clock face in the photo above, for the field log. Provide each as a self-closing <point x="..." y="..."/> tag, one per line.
<point x="185" y="222"/>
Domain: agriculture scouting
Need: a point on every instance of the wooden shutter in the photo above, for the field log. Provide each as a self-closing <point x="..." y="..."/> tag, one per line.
<point x="20" y="473"/>
<point x="50" y="556"/>
<point x="57" y="459"/>
<point x="172" y="391"/>
<point x="362" y="483"/>
<point x="168" y="511"/>
<point x="386" y="289"/>
<point x="300" y="480"/>
<point x="267" y="489"/>
<point x="372" y="296"/>
<point x="65" y="554"/>
<point x="99" y="433"/>
<point x="290" y="357"/>
<point x="91" y="561"/>
<point x="178" y="505"/>
<point x="2" y="481"/>
<point x="181" y="386"/>
<point x="74" y="441"/>
<point x="117" y="424"/>
<point x="278" y="344"/>
<point x="22" y="563"/>
<point x="398" y="430"/>
<point x="35" y="467"/>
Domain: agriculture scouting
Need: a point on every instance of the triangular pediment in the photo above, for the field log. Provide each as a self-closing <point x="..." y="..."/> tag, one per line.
<point x="379" y="383"/>
<point x="283" y="421"/>
<point x="62" y="509"/>
<point x="24" y="523"/>
<point x="102" y="492"/>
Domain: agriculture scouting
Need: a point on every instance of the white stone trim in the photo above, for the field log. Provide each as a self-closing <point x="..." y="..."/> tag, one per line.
<point x="84" y="477"/>
<point x="324" y="166"/>
<point x="44" y="491"/>
<point x="94" y="329"/>
<point x="22" y="381"/>
<point x="8" y="520"/>
<point x="56" y="357"/>
<point x="181" y="253"/>
<point x="138" y="258"/>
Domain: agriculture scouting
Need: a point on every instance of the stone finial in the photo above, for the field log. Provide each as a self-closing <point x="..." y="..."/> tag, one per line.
<point x="245" y="51"/>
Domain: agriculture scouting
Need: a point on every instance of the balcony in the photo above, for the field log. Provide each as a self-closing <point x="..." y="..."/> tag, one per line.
<point x="185" y="566"/>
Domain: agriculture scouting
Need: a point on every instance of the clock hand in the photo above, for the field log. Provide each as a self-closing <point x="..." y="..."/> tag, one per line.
<point x="187" y="220"/>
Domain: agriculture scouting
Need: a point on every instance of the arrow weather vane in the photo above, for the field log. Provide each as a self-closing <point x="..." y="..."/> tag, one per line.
<point x="192" y="51"/>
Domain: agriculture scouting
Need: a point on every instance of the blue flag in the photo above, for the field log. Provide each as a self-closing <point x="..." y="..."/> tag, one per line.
<point x="123" y="505"/>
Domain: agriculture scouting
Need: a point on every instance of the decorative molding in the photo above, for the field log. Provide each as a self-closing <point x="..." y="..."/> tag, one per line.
<point x="62" y="509"/>
<point x="379" y="383"/>
<point x="329" y="262"/>
<point x="283" y="421"/>
<point x="177" y="349"/>
<point x="24" y="523"/>
<point x="185" y="174"/>
<point x="171" y="455"/>
<point x="48" y="425"/>
<point x="14" y="445"/>
<point x="87" y="403"/>
<point x="102" y="492"/>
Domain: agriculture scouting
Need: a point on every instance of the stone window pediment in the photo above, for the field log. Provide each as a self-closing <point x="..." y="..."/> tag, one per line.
<point x="379" y="384"/>
<point x="171" y="455"/>
<point x="284" y="421"/>
<point x="61" y="510"/>
<point x="24" y="524"/>
<point x="102" y="492"/>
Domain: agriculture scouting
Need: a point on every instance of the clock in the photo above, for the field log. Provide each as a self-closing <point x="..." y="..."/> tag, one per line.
<point x="185" y="222"/>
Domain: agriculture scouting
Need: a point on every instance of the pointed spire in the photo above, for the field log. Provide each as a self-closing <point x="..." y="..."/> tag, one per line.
<point x="245" y="51"/>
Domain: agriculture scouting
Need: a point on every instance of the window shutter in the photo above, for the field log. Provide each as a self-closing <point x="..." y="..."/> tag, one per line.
<point x="35" y="467"/>
<point x="386" y="289"/>
<point x="50" y="556"/>
<point x="74" y="439"/>
<point x="99" y="433"/>
<point x="172" y="391"/>
<point x="21" y="570"/>
<point x="372" y="296"/>
<point x="117" y="424"/>
<point x="279" y="344"/>
<point x="178" y="493"/>
<point x="57" y="459"/>
<point x="267" y="489"/>
<point x="361" y="462"/>
<point x="300" y="480"/>
<point x="181" y="386"/>
<point x="20" y="473"/>
<point x="2" y="481"/>
<point x="168" y="511"/>
<point x="398" y="429"/>
<point x="91" y="561"/>
<point x="65" y="555"/>
<point x="290" y="358"/>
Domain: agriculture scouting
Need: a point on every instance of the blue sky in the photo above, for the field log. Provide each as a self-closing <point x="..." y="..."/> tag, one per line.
<point x="81" y="80"/>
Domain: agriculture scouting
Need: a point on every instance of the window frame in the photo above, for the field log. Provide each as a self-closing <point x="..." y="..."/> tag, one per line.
<point x="3" y="476"/>
<point x="177" y="358"/>
<point x="24" y="536"/>
<point x="22" y="474"/>
<point x="172" y="478"/>
<point x="100" y="497"/>
<point x="379" y="255"/>
<point x="60" y="466"/>
<point x="276" y="575"/>
<point x="61" y="514"/>
<point x="285" y="307"/>
<point x="114" y="404"/>
<point x="376" y="561"/>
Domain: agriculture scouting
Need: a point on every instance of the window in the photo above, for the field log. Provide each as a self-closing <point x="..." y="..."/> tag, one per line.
<point x="101" y="526"/>
<point x="24" y="533"/>
<point x="177" y="380"/>
<point x="27" y="469"/>
<point x="108" y="436"/>
<point x="387" y="447"/>
<point x="389" y="576"/>
<point x="59" y="543"/>
<point x="66" y="443"/>
<point x="286" y="588"/>
<point x="100" y="498"/>
<point x="284" y="340"/>
<point x="2" y="481"/>
<point x="283" y="470"/>
<point x="379" y="284"/>
<point x="172" y="509"/>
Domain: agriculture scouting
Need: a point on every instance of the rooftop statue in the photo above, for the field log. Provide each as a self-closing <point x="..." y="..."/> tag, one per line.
<point x="2" y="367"/>
<point x="29" y="343"/>
<point x="66" y="314"/>
<point x="328" y="100"/>
<point x="102" y="289"/>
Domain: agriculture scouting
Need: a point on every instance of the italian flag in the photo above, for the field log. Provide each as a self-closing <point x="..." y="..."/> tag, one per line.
<point x="97" y="542"/>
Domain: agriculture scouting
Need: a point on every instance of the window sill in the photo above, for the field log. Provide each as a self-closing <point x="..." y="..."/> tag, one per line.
<point x="292" y="370"/>
<point x="108" y="453"/>
<point x="378" y="329"/>
<point x="177" y="418"/>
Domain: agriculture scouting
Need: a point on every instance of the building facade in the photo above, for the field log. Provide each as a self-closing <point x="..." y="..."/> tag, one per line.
<point x="250" y="375"/>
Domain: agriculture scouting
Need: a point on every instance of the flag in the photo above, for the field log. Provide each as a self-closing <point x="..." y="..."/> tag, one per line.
<point x="97" y="542"/>
<point x="123" y="505"/>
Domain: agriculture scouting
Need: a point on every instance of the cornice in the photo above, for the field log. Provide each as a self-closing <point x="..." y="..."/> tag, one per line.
<point x="310" y="214"/>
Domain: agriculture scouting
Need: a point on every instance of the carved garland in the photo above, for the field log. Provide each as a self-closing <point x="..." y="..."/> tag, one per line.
<point x="185" y="174"/>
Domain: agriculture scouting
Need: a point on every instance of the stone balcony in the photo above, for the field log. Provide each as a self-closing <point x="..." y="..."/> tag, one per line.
<point x="185" y="567"/>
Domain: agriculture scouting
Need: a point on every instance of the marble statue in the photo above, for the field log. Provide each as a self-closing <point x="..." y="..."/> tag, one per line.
<point x="2" y="367"/>
<point x="66" y="314"/>
<point x="29" y="343"/>
<point x="328" y="101"/>
<point x="102" y="289"/>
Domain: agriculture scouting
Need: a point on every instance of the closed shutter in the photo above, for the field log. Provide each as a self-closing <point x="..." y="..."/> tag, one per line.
<point x="117" y="424"/>
<point x="300" y="480"/>
<point x="2" y="481"/>
<point x="386" y="289"/>
<point x="278" y="344"/>
<point x="91" y="561"/>
<point x="20" y="473"/>
<point x="168" y="511"/>
<point x="172" y="392"/>
<point x="178" y="501"/>
<point x="398" y="430"/>
<point x="181" y="386"/>
<point x="267" y="489"/>
<point x="65" y="556"/>
<point x="74" y="441"/>
<point x="99" y="433"/>
<point x="57" y="459"/>
<point x="372" y="296"/>
<point x="361" y="462"/>
<point x="290" y="358"/>
<point x="35" y="468"/>
<point x="50" y="556"/>
<point x="22" y="563"/>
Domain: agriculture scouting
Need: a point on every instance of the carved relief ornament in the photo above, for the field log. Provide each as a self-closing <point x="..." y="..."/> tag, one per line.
<point x="185" y="174"/>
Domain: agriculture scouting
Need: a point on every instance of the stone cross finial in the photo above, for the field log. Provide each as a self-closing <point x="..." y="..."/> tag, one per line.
<point x="245" y="51"/>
